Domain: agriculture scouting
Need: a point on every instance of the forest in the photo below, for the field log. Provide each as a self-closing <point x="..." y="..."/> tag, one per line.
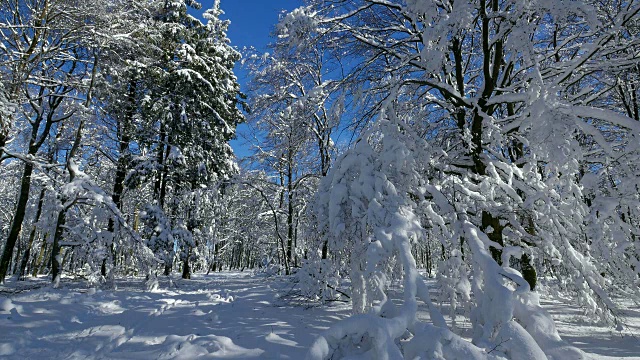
<point x="437" y="172"/>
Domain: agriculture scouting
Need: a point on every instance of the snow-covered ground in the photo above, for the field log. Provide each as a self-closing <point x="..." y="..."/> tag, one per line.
<point x="601" y="342"/>
<point x="223" y="315"/>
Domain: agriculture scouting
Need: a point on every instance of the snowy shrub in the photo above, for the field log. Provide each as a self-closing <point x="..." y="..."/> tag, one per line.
<point x="369" y="216"/>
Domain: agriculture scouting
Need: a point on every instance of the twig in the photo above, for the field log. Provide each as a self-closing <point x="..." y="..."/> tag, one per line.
<point x="495" y="347"/>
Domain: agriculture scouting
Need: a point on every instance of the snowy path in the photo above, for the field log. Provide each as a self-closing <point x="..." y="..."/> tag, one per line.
<point x="223" y="315"/>
<point x="227" y="315"/>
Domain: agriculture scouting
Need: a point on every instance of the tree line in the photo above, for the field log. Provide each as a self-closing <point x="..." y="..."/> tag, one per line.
<point x="115" y="120"/>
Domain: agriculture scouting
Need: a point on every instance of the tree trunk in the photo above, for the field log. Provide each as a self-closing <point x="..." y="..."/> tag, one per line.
<point x="37" y="266"/>
<point x="124" y="137"/>
<point x="325" y="249"/>
<point x="13" y="265"/>
<point x="16" y="225"/>
<point x="32" y="236"/>
<point x="528" y="271"/>
<point x="289" y="223"/>
<point x="103" y="267"/>
<point x="495" y="235"/>
<point x="56" y="262"/>
<point x="3" y="142"/>
<point x="186" y="268"/>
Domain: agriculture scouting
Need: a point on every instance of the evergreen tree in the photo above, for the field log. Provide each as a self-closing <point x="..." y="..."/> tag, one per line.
<point x="189" y="116"/>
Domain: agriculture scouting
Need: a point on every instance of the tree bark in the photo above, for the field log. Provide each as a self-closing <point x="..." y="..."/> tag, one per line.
<point x="289" y="214"/>
<point x="32" y="236"/>
<point x="124" y="137"/>
<point x="56" y="262"/>
<point x="186" y="268"/>
<point x="37" y="265"/>
<point x="16" y="225"/>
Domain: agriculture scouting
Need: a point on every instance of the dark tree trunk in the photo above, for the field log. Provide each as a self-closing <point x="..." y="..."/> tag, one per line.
<point x="32" y="236"/>
<point x="289" y="222"/>
<point x="186" y="268"/>
<point x="124" y="136"/>
<point x="528" y="271"/>
<point x="56" y="262"/>
<point x="13" y="265"/>
<point x="495" y="235"/>
<point x="3" y="142"/>
<point x="103" y="267"/>
<point x="16" y="225"/>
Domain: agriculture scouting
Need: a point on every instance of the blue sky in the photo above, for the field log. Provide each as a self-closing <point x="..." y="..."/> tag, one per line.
<point x="251" y="23"/>
<point x="252" y="20"/>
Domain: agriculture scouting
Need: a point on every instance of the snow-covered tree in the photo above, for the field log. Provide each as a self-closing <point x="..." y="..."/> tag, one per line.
<point x="93" y="91"/>
<point x="48" y="63"/>
<point x="497" y="99"/>
<point x="295" y="111"/>
<point x="188" y="115"/>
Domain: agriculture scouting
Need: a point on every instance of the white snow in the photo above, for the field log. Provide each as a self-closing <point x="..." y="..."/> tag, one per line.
<point x="229" y="315"/>
<point x="224" y="315"/>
